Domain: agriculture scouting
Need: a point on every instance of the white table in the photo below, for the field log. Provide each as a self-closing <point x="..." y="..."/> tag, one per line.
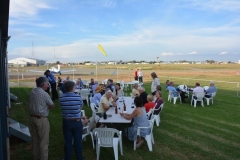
<point x="117" y="118"/>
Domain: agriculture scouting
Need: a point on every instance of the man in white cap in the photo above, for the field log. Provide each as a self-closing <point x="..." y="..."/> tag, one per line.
<point x="210" y="90"/>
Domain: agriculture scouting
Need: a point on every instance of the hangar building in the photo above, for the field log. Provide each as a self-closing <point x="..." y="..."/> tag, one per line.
<point x="22" y="61"/>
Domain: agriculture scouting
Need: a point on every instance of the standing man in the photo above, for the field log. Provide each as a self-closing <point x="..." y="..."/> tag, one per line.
<point x="39" y="104"/>
<point x="72" y="126"/>
<point x="53" y="83"/>
<point x="140" y="76"/>
<point x="135" y="75"/>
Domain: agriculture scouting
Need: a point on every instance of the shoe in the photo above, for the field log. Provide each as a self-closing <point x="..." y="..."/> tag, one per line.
<point x="139" y="144"/>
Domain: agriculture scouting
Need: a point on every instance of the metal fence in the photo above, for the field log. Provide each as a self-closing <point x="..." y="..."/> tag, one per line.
<point x="224" y="87"/>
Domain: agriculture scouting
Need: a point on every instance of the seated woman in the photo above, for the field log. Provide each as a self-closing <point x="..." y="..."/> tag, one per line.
<point x="158" y="102"/>
<point x="97" y="96"/>
<point x="135" y="91"/>
<point x="150" y="103"/>
<point x="118" y="91"/>
<point x="140" y="120"/>
<point x="77" y="85"/>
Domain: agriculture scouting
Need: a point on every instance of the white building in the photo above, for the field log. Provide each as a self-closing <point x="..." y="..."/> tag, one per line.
<point x="22" y="61"/>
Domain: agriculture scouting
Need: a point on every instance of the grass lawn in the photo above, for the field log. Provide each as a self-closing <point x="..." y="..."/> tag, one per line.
<point x="185" y="132"/>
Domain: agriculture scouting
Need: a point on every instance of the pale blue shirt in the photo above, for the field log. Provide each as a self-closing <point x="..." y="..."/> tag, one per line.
<point x="211" y="90"/>
<point x="96" y="98"/>
<point x="171" y="88"/>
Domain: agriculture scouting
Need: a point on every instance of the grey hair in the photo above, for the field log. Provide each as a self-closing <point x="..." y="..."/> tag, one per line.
<point x="69" y="85"/>
<point x="41" y="81"/>
<point x="141" y="88"/>
<point x="159" y="92"/>
<point x="211" y="82"/>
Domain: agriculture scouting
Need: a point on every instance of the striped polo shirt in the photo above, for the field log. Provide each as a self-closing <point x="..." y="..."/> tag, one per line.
<point x="71" y="105"/>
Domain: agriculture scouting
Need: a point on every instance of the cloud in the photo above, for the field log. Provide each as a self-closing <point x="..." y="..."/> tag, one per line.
<point x="222" y="53"/>
<point x="194" y="52"/>
<point x="167" y="54"/>
<point x="26" y="8"/>
<point x="216" y="5"/>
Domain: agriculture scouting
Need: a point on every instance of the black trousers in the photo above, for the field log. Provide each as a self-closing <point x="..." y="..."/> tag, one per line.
<point x="54" y="91"/>
<point x="136" y="78"/>
<point x="140" y="79"/>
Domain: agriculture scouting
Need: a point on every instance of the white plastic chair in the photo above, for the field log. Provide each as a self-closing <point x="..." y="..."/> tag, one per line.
<point x="205" y="88"/>
<point x="84" y="95"/>
<point x="60" y="92"/>
<point x="105" y="81"/>
<point x="210" y="98"/>
<point x="149" y="138"/>
<point x="122" y="85"/>
<point x="184" y="88"/>
<point x="93" y="108"/>
<point x="199" y="96"/>
<point x="157" y="116"/>
<point x="86" y="130"/>
<point x="171" y="96"/>
<point x="105" y="138"/>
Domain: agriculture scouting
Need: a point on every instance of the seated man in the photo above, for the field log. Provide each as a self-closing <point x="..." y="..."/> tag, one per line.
<point x="176" y="92"/>
<point x="94" y="86"/>
<point x="197" y="89"/>
<point x="80" y="83"/>
<point x="77" y="84"/>
<point x="210" y="90"/>
<point x="106" y="101"/>
<point x="143" y="95"/>
<point x="167" y="84"/>
<point x="110" y="85"/>
<point x="91" y="83"/>
<point x="97" y="96"/>
<point x="62" y="88"/>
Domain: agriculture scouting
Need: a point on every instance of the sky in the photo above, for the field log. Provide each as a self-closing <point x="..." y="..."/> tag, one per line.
<point x="70" y="30"/>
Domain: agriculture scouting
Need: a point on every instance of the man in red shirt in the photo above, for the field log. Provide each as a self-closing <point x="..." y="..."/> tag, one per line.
<point x="136" y="75"/>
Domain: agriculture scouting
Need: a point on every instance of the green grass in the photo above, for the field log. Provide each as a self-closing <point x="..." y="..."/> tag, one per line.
<point x="185" y="132"/>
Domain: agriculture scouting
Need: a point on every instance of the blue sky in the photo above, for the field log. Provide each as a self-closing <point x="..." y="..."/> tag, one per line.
<point x="127" y="29"/>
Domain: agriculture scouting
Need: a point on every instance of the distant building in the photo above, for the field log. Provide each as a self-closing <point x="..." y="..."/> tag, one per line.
<point x="239" y="61"/>
<point x="22" y="61"/>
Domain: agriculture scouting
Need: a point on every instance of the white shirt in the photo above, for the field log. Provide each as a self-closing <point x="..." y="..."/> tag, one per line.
<point x="154" y="85"/>
<point x="198" y="89"/>
<point x="140" y="74"/>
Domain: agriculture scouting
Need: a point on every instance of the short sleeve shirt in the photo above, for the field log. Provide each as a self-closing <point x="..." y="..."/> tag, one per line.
<point x="39" y="101"/>
<point x="105" y="101"/>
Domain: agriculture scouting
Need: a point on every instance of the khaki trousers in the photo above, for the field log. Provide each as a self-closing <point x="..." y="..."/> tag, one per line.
<point x="40" y="137"/>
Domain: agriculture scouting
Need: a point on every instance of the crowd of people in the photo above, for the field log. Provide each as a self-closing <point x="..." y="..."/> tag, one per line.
<point x="104" y="97"/>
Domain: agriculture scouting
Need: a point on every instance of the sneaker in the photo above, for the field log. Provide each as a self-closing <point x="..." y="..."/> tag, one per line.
<point x="139" y="144"/>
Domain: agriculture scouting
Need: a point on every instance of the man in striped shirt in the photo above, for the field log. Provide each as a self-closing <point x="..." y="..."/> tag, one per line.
<point x="71" y="105"/>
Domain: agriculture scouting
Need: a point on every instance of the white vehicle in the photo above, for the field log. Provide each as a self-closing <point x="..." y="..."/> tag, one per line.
<point x="55" y="70"/>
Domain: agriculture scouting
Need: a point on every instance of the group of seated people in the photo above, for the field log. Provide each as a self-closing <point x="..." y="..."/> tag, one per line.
<point x="183" y="91"/>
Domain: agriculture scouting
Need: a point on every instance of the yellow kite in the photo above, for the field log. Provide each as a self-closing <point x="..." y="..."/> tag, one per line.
<point x="102" y="50"/>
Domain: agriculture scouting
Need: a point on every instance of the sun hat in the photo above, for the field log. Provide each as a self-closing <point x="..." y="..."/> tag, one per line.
<point x="98" y="89"/>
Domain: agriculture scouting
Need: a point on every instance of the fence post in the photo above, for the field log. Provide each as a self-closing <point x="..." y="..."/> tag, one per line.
<point x="237" y="88"/>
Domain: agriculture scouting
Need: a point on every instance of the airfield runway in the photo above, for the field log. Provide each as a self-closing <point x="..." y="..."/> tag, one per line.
<point x="27" y="78"/>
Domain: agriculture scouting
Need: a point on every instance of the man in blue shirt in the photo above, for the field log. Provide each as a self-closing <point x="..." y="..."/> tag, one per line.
<point x="176" y="92"/>
<point x="110" y="85"/>
<point x="210" y="90"/>
<point x="53" y="84"/>
<point x="71" y="105"/>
